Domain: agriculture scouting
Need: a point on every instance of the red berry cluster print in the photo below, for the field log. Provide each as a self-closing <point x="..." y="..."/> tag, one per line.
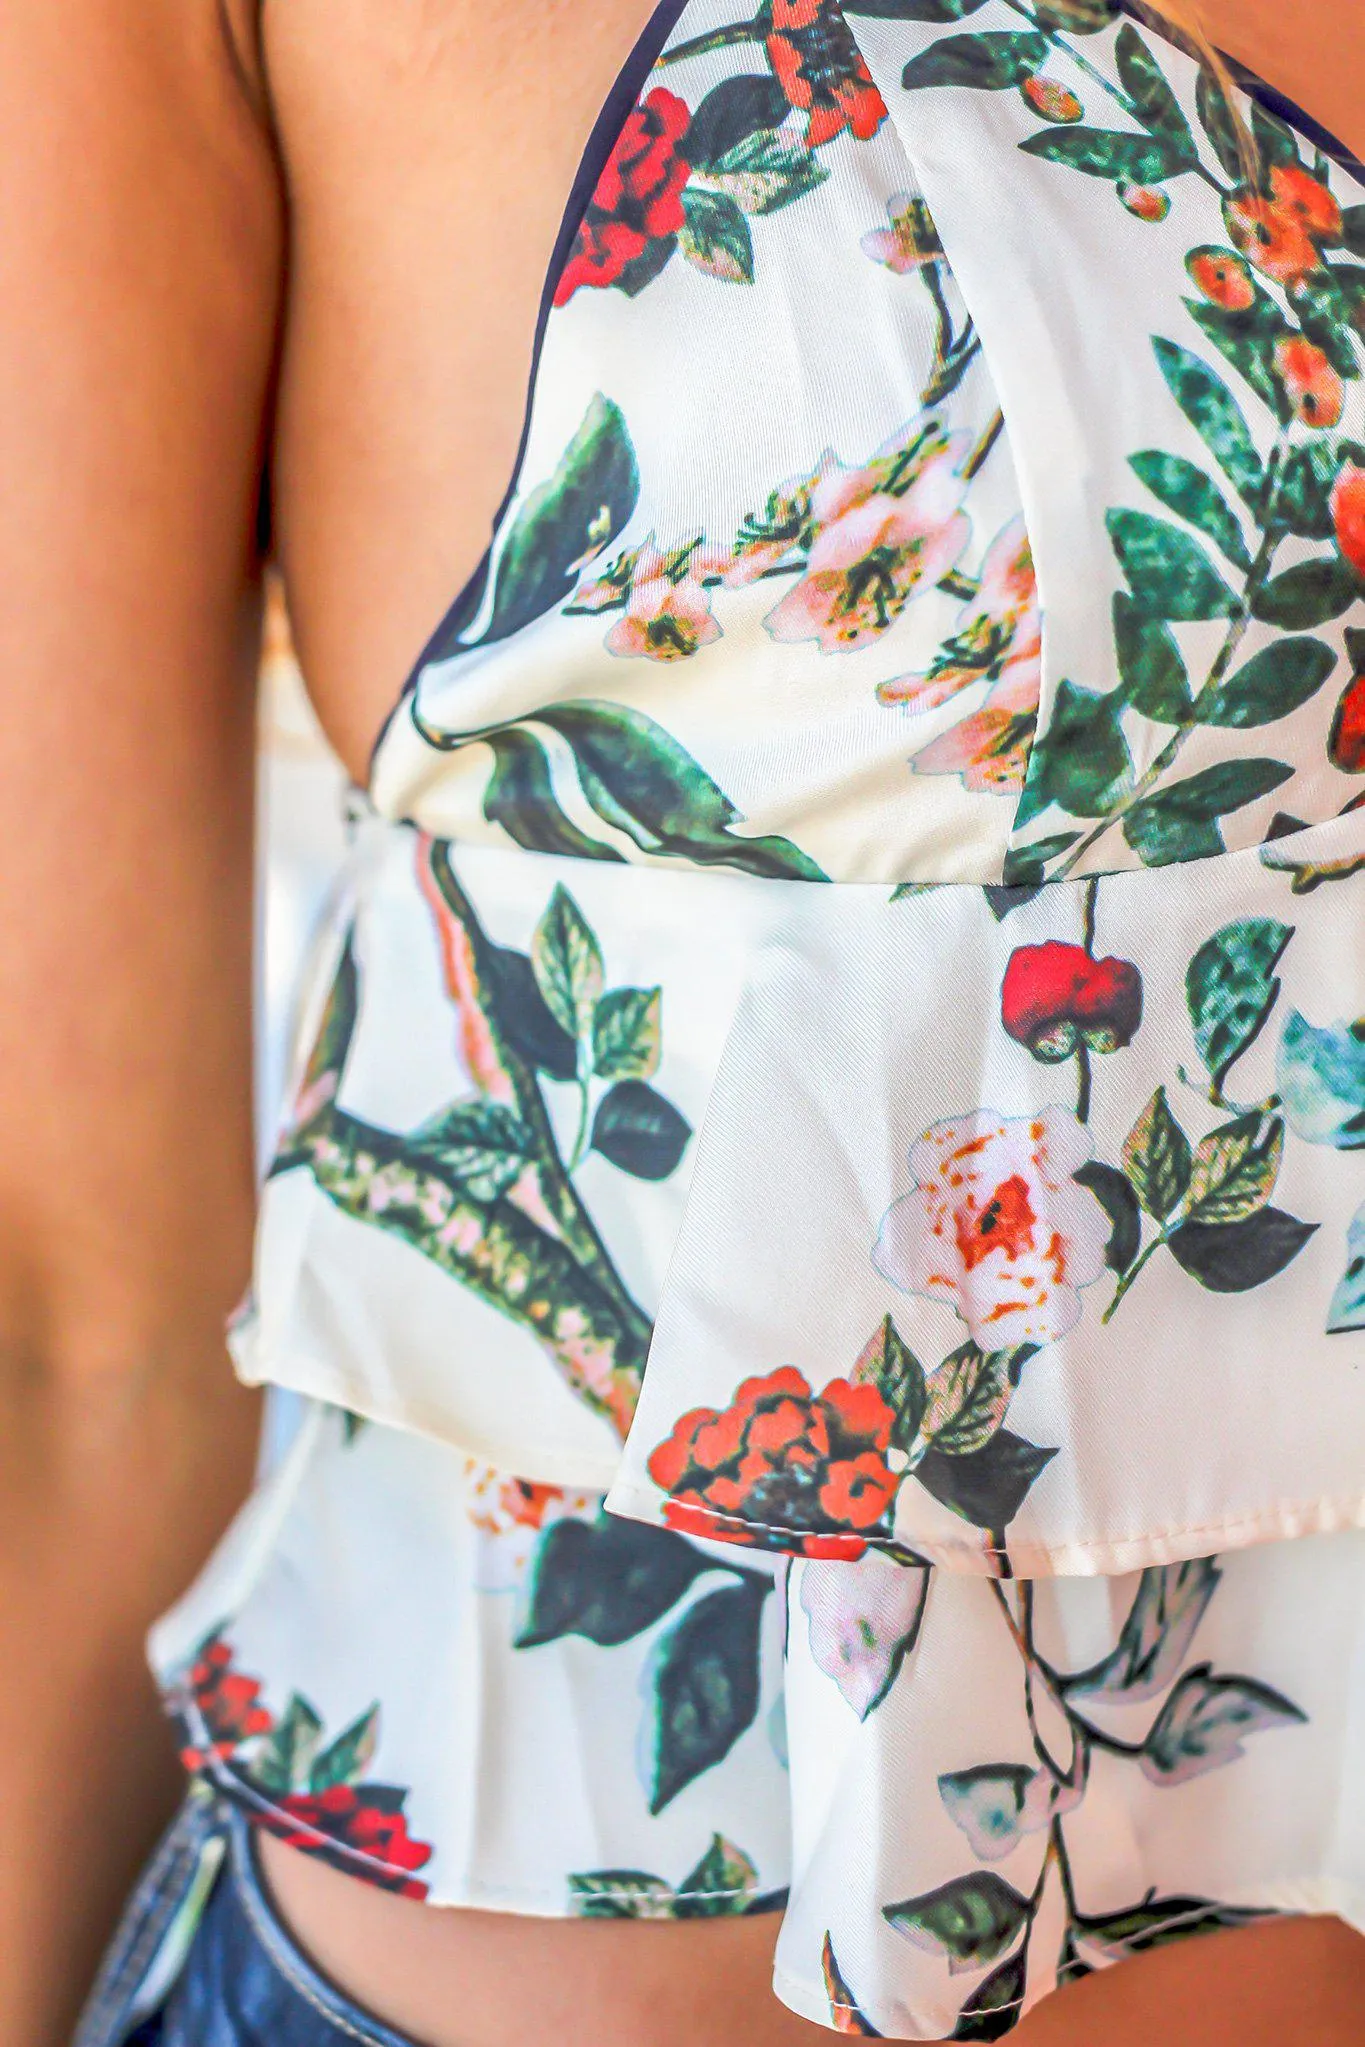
<point x="821" y="70"/>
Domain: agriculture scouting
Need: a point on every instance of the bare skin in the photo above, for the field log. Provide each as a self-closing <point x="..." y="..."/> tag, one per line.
<point x="420" y="151"/>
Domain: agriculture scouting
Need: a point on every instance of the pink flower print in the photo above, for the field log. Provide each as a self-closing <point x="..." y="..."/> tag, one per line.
<point x="882" y="532"/>
<point x="1000" y="640"/>
<point x="909" y="242"/>
<point x="668" y="612"/>
<point x="996" y="1226"/>
<point x="864" y="1617"/>
<point x="784" y="526"/>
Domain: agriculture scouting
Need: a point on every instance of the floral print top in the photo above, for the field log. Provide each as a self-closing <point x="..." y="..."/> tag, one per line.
<point x="845" y="1031"/>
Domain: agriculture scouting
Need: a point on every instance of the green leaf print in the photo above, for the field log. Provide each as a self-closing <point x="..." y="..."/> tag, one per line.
<point x="1214" y="414"/>
<point x="722" y="1883"/>
<point x="1080" y="761"/>
<point x="968" y="1399"/>
<point x="1230" y="990"/>
<point x="1275" y="140"/>
<point x="574" y="513"/>
<point x="482" y="1145"/>
<point x="1179" y="822"/>
<point x="283" y="1764"/>
<point x="606" y="1580"/>
<point x="1116" y="1197"/>
<point x="520" y="796"/>
<point x="730" y="113"/>
<point x="1270" y="685"/>
<point x="620" y="1894"/>
<point x="992" y="2010"/>
<point x="1353" y="230"/>
<point x="1169" y="574"/>
<point x="1157" y="1158"/>
<point x="627" y="1034"/>
<point x="347" y="1759"/>
<point x="1308" y="594"/>
<point x="1232" y="1258"/>
<point x="1347" y="1311"/>
<point x="1235" y="1169"/>
<point x="888" y="1363"/>
<point x="1103" y="153"/>
<point x="1248" y="341"/>
<point x="987" y="1486"/>
<point x="567" y="961"/>
<point x="989" y="60"/>
<point x="715" y="237"/>
<point x="971" y="1920"/>
<point x="1218" y="122"/>
<point x="915" y="10"/>
<point x="1184" y="488"/>
<point x="640" y="1132"/>
<point x="1158" y="1922"/>
<point x="1204" y="1721"/>
<point x="764" y="173"/>
<point x="1167" y="1608"/>
<point x="704" y="1681"/>
<point x="1075" y="17"/>
<point x="1152" y="670"/>
<point x="1150" y="94"/>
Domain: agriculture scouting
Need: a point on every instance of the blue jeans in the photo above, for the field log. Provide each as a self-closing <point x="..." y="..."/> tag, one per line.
<point x="202" y="1960"/>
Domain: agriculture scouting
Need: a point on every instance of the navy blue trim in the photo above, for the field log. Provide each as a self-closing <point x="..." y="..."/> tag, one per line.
<point x="606" y="129"/>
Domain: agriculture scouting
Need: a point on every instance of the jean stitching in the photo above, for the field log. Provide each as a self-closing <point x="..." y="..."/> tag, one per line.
<point x="163" y="1885"/>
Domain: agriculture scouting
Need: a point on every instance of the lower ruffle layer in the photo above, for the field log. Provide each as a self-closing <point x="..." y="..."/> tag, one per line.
<point x="479" y="1690"/>
<point x="996" y="1228"/>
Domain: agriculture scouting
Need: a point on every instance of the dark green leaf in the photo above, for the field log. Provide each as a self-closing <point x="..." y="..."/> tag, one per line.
<point x="1271" y="685"/>
<point x="722" y="1883"/>
<point x="1157" y="1922"/>
<point x="582" y="507"/>
<point x="1153" y="672"/>
<point x="704" y="1678"/>
<point x="639" y="1131"/>
<point x="1248" y="341"/>
<point x="567" y="962"/>
<point x="1184" y="488"/>
<point x="733" y="110"/>
<point x="337" y="1028"/>
<point x="1157" y="1158"/>
<point x="349" y="1756"/>
<point x="1353" y="230"/>
<point x="988" y="1486"/>
<point x="1153" y="101"/>
<point x="1081" y="760"/>
<point x="1170" y="1602"/>
<point x="1231" y="1258"/>
<point x="1308" y="594"/>
<point x="627" y="1034"/>
<point x="620" y="1894"/>
<point x="913" y="10"/>
<point x="989" y="60"/>
<point x="642" y="270"/>
<point x="1204" y="1721"/>
<point x="1115" y="1195"/>
<point x="888" y="1363"/>
<point x="992" y="2010"/>
<point x="523" y="1015"/>
<point x="479" y="1144"/>
<point x="1230" y="989"/>
<point x="1214" y="414"/>
<point x="520" y="797"/>
<point x="607" y="1580"/>
<point x="971" y="1920"/>
<point x="283" y="1764"/>
<point x="715" y="237"/>
<point x="1274" y="139"/>
<point x="1179" y="821"/>
<point x="1104" y="153"/>
<point x="1075" y="17"/>
<point x="1235" y="1168"/>
<point x="1303" y="490"/>
<point x="1169" y="574"/>
<point x="1024" y="868"/>
<point x="1218" y="121"/>
<point x="637" y="777"/>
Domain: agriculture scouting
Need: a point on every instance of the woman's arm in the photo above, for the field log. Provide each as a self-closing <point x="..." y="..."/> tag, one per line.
<point x="139" y="256"/>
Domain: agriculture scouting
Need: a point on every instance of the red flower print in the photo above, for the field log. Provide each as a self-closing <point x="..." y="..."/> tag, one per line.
<point x="785" y="1459"/>
<point x="820" y="68"/>
<point x="1222" y="278"/>
<point x="227" y="1706"/>
<point x="1310" y="383"/>
<point x="1348" y="515"/>
<point x="365" y="1819"/>
<point x="1281" y="230"/>
<point x="637" y="203"/>
<point x="1346" y="741"/>
<point x="1055" y="997"/>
